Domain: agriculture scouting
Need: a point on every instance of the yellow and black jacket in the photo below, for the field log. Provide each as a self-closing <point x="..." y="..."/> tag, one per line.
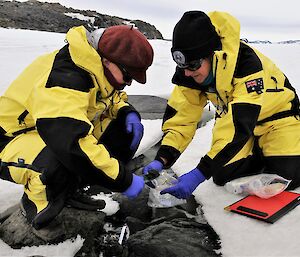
<point x="248" y="91"/>
<point x="63" y="95"/>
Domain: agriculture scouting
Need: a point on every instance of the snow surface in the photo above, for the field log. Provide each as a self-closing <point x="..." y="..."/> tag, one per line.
<point x="80" y="16"/>
<point x="240" y="236"/>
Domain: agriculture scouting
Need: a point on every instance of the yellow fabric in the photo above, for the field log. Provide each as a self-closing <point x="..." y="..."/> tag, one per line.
<point x="244" y="152"/>
<point x="280" y="137"/>
<point x="27" y="147"/>
<point x="105" y="162"/>
<point x="36" y="191"/>
<point x="180" y="129"/>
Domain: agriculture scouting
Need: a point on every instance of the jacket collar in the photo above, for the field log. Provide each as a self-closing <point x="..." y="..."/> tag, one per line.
<point x="85" y="56"/>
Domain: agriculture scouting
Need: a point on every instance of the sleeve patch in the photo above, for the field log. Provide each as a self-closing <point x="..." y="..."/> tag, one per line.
<point x="255" y="85"/>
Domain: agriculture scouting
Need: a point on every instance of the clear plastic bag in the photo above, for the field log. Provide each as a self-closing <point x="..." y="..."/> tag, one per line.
<point x="262" y="185"/>
<point x="156" y="200"/>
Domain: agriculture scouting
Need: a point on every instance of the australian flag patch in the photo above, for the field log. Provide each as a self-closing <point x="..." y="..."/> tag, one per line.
<point x="255" y="85"/>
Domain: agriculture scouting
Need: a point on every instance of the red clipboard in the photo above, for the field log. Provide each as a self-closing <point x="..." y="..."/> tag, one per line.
<point x="268" y="210"/>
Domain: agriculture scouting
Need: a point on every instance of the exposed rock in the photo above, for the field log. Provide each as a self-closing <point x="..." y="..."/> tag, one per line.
<point x="54" y="17"/>
<point x="150" y="107"/>
<point x="16" y="232"/>
<point x="153" y="107"/>
<point x="137" y="208"/>
<point x="153" y="232"/>
<point x="175" y="238"/>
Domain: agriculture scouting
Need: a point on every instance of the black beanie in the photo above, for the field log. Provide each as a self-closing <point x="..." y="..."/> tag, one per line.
<point x="194" y="37"/>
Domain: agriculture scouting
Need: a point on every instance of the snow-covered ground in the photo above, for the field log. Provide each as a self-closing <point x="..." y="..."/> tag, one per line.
<point x="240" y="236"/>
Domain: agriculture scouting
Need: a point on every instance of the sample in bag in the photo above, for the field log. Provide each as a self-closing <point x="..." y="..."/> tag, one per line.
<point x="164" y="180"/>
<point x="261" y="185"/>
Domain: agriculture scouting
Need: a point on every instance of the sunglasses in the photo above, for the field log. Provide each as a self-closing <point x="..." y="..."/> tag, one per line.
<point x="126" y="75"/>
<point x="192" y="66"/>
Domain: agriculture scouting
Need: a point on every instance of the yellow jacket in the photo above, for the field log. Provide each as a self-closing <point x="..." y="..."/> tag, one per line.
<point x="248" y="91"/>
<point x="63" y="95"/>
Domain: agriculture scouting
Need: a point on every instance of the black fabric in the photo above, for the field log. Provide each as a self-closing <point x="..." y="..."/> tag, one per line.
<point x="61" y="135"/>
<point x="4" y="140"/>
<point x="22" y="117"/>
<point x="295" y="102"/>
<point x="247" y="62"/>
<point x="19" y="132"/>
<point x="169" y="153"/>
<point x="244" y="117"/>
<point x="245" y="167"/>
<point x="195" y="36"/>
<point x="115" y="138"/>
<point x="4" y="172"/>
<point x="170" y="112"/>
<point x="28" y="208"/>
<point x="285" y="166"/>
<point x="205" y="165"/>
<point x="20" y="164"/>
<point x="251" y="165"/>
<point x="54" y="175"/>
<point x="277" y="116"/>
<point x="54" y="207"/>
<point x="66" y="74"/>
<point x="44" y="217"/>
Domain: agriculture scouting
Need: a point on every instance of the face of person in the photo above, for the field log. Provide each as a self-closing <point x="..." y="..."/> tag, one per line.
<point x="201" y="73"/>
<point x="120" y="75"/>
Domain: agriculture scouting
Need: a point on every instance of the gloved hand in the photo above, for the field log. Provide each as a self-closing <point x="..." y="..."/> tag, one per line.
<point x="187" y="183"/>
<point x="154" y="165"/>
<point x="134" y="126"/>
<point x="135" y="188"/>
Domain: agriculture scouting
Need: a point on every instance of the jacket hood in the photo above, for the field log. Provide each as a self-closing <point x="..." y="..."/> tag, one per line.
<point x="85" y="56"/>
<point x="228" y="28"/>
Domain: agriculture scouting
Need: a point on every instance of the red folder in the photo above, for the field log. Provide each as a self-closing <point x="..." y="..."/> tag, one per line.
<point x="268" y="210"/>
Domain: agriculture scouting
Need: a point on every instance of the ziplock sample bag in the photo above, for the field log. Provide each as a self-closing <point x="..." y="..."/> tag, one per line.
<point x="261" y="185"/>
<point x="165" y="180"/>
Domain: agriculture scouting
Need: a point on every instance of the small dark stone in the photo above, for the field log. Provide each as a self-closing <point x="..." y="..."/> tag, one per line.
<point x="137" y="208"/>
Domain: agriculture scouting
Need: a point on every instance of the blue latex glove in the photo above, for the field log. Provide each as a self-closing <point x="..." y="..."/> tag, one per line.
<point x="135" y="188"/>
<point x="187" y="183"/>
<point x="134" y="126"/>
<point x="154" y="165"/>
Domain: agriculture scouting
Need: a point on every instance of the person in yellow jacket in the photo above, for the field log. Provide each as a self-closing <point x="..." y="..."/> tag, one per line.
<point x="257" y="127"/>
<point x="65" y="121"/>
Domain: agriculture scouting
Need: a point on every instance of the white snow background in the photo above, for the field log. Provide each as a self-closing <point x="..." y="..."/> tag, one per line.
<point x="240" y="236"/>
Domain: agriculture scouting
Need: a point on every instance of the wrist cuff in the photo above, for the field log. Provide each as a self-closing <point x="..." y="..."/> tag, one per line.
<point x="169" y="153"/>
